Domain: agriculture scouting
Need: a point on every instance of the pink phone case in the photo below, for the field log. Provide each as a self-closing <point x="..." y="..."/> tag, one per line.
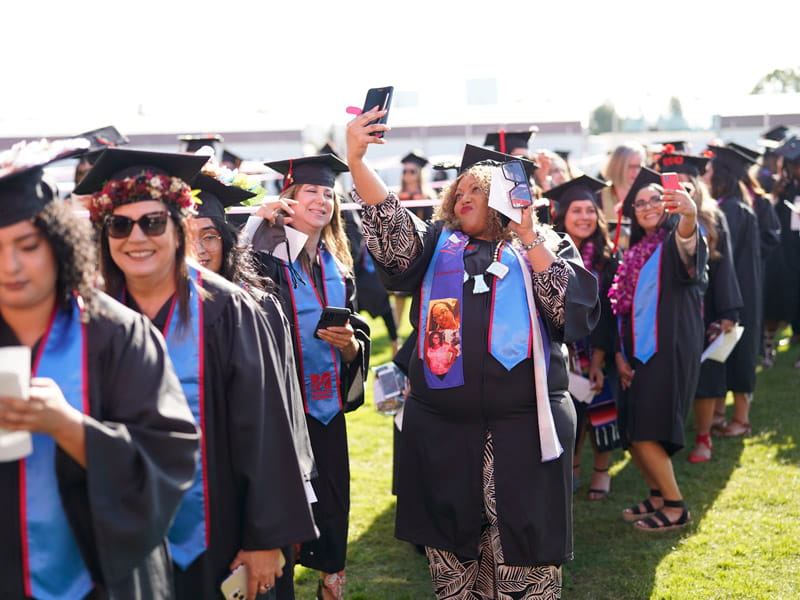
<point x="670" y="181"/>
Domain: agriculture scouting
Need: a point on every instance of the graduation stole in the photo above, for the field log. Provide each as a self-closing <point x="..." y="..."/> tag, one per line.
<point x="516" y="331"/>
<point x="52" y="564"/>
<point x="645" y="307"/>
<point x="318" y="361"/>
<point x="190" y="532"/>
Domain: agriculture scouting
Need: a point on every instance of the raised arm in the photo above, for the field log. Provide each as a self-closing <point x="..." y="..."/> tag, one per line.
<point x="370" y="187"/>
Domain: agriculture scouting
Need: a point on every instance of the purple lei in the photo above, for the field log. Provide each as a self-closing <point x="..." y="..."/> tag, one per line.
<point x="624" y="287"/>
<point x="587" y="252"/>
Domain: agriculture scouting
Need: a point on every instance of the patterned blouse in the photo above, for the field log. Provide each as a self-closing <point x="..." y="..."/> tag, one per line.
<point x="392" y="239"/>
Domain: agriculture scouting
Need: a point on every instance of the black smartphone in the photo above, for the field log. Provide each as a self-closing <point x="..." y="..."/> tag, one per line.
<point x="382" y="98"/>
<point x="332" y="316"/>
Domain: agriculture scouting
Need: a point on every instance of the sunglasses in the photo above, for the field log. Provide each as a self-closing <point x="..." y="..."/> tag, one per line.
<point x="152" y="224"/>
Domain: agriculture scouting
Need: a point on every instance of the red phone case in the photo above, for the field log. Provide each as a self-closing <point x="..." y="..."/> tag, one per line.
<point x="670" y="181"/>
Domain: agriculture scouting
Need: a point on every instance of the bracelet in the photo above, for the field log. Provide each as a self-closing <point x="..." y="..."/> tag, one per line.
<point x="537" y="241"/>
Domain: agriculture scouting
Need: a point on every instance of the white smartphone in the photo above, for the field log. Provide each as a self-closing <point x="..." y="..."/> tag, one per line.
<point x="235" y="585"/>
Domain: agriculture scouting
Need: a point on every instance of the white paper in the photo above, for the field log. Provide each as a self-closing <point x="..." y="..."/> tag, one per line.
<point x="15" y="376"/>
<point x="581" y="388"/>
<point x="498" y="196"/>
<point x="723" y="345"/>
<point x="295" y="238"/>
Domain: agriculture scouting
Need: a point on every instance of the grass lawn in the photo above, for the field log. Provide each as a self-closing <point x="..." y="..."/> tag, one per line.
<point x="742" y="543"/>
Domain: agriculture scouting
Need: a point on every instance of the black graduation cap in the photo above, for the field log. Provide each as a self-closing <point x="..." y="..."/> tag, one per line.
<point x="316" y="170"/>
<point x="415" y="158"/>
<point x="790" y="150"/>
<point x="229" y="158"/>
<point x="476" y="154"/>
<point x="736" y="161"/>
<point x="683" y="163"/>
<point x="24" y="189"/>
<point x="643" y="179"/>
<point x="677" y="145"/>
<point x="118" y="163"/>
<point x="512" y="141"/>
<point x="193" y="143"/>
<point x="749" y="152"/>
<point x="580" y="188"/>
<point x="102" y="138"/>
<point x="215" y="196"/>
<point x="776" y="134"/>
<point x="328" y="148"/>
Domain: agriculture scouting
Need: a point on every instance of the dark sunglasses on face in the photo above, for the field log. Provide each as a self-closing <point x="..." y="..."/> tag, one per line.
<point x="152" y="224"/>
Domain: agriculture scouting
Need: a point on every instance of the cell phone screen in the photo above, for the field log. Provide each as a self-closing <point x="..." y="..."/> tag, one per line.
<point x="382" y="98"/>
<point x="519" y="195"/>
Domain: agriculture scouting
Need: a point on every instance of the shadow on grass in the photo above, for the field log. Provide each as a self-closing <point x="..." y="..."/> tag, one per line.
<point x="614" y="561"/>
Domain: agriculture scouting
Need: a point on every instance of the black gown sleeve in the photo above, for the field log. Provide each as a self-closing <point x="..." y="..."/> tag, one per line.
<point x="141" y="446"/>
<point x="605" y="335"/>
<point x="725" y="296"/>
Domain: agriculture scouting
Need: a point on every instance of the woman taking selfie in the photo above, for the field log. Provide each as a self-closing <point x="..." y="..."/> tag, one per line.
<point x="657" y="297"/>
<point x="332" y="361"/>
<point x="114" y="444"/>
<point x="247" y="500"/>
<point x="463" y="445"/>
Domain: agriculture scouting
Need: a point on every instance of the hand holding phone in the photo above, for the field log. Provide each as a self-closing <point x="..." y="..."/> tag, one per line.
<point x="382" y="98"/>
<point x="670" y="181"/>
<point x="332" y="316"/>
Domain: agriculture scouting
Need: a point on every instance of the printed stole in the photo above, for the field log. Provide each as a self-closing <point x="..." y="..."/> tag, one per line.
<point x="52" y="564"/>
<point x="645" y="307"/>
<point x="509" y="342"/>
<point x="190" y="532"/>
<point x="318" y="361"/>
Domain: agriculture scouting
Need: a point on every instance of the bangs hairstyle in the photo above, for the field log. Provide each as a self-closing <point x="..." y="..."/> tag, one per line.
<point x="115" y="278"/>
<point x="71" y="241"/>
<point x="446" y="210"/>
<point x="616" y="169"/>
<point x="333" y="234"/>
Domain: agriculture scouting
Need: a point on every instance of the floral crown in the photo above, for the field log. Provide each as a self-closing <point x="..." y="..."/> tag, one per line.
<point x="147" y="185"/>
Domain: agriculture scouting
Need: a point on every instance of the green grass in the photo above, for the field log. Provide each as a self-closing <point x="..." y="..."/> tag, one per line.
<point x="743" y="542"/>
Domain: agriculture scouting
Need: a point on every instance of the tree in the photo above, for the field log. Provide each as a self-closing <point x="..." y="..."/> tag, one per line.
<point x="780" y="81"/>
<point x="603" y="119"/>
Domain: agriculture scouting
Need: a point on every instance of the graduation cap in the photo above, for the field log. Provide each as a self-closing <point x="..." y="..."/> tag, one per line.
<point x="24" y="190"/>
<point x="790" y="150"/>
<point x="508" y="141"/>
<point x="749" y="152"/>
<point x="415" y="158"/>
<point x="476" y="154"/>
<point x="645" y="178"/>
<point x="736" y="161"/>
<point x="683" y="163"/>
<point x="102" y="138"/>
<point x="119" y="163"/>
<point x="215" y="196"/>
<point x="776" y="134"/>
<point x="328" y="148"/>
<point x="580" y="188"/>
<point x="315" y="170"/>
<point x="229" y="158"/>
<point x="675" y="146"/>
<point x="193" y="143"/>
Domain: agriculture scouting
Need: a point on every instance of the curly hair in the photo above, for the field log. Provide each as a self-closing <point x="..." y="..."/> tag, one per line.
<point x="72" y="242"/>
<point x="446" y="210"/>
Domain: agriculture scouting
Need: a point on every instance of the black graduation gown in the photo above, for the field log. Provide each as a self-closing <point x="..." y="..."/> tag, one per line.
<point x="655" y="406"/>
<point x="141" y="449"/>
<point x="605" y="335"/>
<point x="722" y="300"/>
<point x="782" y="272"/>
<point x="440" y="491"/>
<point x="329" y="442"/>
<point x="256" y="495"/>
<point x="371" y="296"/>
<point x="746" y="253"/>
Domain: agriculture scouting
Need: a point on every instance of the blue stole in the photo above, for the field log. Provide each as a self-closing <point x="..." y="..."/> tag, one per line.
<point x="54" y="568"/>
<point x="645" y="308"/>
<point x="510" y="335"/>
<point x="318" y="361"/>
<point x="189" y="534"/>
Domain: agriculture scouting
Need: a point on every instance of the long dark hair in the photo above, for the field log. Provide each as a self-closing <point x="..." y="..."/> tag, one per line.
<point x="725" y="182"/>
<point x="238" y="264"/>
<point x="71" y="241"/>
<point x="115" y="279"/>
<point x="602" y="245"/>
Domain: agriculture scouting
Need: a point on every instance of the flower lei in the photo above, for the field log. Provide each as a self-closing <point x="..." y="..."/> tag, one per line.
<point x="145" y="186"/>
<point x="624" y="287"/>
<point x="587" y="254"/>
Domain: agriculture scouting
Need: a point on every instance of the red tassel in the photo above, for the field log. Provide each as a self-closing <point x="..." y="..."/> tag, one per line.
<point x="502" y="136"/>
<point x="288" y="179"/>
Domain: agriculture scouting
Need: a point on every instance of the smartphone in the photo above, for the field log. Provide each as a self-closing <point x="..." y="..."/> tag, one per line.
<point x="382" y="98"/>
<point x="520" y="194"/>
<point x="235" y="585"/>
<point x="670" y="181"/>
<point x="389" y="382"/>
<point x="332" y="316"/>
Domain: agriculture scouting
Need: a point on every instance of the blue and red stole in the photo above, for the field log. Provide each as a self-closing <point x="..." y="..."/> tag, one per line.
<point x="190" y="532"/>
<point x="644" y="315"/>
<point x="319" y="362"/>
<point x="516" y="331"/>
<point x="52" y="564"/>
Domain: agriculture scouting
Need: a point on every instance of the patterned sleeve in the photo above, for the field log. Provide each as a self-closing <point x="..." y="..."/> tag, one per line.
<point x="550" y="287"/>
<point x="389" y="233"/>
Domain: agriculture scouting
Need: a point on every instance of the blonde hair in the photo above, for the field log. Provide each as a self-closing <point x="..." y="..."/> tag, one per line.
<point x="333" y="234"/>
<point x="616" y="167"/>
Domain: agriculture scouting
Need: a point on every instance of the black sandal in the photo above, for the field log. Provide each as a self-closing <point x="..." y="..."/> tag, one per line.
<point x="660" y="522"/>
<point x="635" y="514"/>
<point x="598" y="493"/>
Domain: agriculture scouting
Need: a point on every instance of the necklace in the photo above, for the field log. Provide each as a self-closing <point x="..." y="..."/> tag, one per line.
<point x="496" y="268"/>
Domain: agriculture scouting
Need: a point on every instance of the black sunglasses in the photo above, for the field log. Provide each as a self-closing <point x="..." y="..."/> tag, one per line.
<point x="151" y="224"/>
